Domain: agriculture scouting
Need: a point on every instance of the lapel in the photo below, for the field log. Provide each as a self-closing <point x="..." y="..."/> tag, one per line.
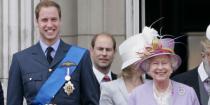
<point x="195" y="82"/>
<point x="175" y="92"/>
<point x="122" y="88"/>
<point x="149" y="91"/>
<point x="60" y="53"/>
<point x="146" y="91"/>
<point x="114" y="76"/>
<point x="38" y="54"/>
<point x="178" y="90"/>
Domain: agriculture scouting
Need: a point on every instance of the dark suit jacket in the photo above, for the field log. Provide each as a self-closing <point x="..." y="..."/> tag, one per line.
<point x="1" y="95"/>
<point x="190" y="78"/>
<point x="29" y="71"/>
<point x="114" y="76"/>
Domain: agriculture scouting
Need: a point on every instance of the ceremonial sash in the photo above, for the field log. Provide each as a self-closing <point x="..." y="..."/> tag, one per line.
<point x="57" y="78"/>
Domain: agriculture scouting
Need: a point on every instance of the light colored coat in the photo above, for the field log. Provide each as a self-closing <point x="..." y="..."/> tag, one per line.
<point x="181" y="95"/>
<point x="114" y="93"/>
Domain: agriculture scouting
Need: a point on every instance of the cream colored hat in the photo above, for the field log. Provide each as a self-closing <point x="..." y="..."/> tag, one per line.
<point x="130" y="47"/>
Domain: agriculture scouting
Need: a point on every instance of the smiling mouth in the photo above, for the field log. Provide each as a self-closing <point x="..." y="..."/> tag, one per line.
<point x="50" y="30"/>
<point x="160" y="73"/>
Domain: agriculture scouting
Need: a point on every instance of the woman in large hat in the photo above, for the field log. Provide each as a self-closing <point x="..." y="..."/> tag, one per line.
<point x="159" y="61"/>
<point x="116" y="92"/>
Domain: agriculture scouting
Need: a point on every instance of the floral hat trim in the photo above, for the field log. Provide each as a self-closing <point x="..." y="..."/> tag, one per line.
<point x="156" y="47"/>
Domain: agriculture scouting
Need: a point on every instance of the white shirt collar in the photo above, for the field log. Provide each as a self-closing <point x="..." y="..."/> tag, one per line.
<point x="99" y="75"/>
<point x="202" y="73"/>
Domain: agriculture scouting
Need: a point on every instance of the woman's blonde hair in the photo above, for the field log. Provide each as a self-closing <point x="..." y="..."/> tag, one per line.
<point x="129" y="71"/>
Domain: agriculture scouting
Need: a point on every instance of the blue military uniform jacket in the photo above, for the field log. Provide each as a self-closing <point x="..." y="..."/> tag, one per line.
<point x="30" y="69"/>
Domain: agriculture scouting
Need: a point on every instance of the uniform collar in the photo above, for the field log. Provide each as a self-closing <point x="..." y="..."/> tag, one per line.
<point x="54" y="46"/>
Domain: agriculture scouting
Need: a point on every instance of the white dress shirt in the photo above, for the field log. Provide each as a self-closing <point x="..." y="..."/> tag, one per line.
<point x="202" y="73"/>
<point x="209" y="102"/>
<point x="99" y="75"/>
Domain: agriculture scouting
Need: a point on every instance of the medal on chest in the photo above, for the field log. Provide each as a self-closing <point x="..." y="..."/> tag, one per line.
<point x="69" y="86"/>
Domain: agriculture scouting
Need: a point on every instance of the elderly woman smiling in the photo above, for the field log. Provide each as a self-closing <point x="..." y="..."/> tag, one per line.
<point x="159" y="61"/>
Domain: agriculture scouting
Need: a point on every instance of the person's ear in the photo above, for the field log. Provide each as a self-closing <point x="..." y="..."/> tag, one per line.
<point x="203" y="55"/>
<point x="91" y="50"/>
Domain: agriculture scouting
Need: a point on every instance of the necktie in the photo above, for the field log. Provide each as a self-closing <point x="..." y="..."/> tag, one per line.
<point x="49" y="57"/>
<point x="106" y="78"/>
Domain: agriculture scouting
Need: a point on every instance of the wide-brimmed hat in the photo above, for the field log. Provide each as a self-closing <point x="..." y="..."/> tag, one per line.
<point x="208" y="32"/>
<point x="129" y="49"/>
<point x="158" y="47"/>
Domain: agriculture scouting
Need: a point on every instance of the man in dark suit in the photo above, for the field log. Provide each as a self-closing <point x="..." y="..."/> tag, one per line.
<point x="103" y="49"/>
<point x="198" y="78"/>
<point x="51" y="72"/>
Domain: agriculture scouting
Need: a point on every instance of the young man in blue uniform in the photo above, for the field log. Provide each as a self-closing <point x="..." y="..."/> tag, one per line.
<point x="51" y="72"/>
